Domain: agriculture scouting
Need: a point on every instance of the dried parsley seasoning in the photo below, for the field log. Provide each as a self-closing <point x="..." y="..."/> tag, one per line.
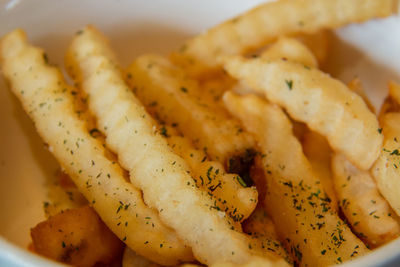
<point x="289" y="84"/>
<point x="163" y="131"/>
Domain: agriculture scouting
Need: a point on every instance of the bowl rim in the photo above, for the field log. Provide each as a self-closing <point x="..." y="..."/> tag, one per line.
<point x="12" y="255"/>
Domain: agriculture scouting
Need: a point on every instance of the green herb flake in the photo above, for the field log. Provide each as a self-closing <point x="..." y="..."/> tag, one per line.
<point x="241" y="182"/>
<point x="163" y="131"/>
<point x="289" y="84"/>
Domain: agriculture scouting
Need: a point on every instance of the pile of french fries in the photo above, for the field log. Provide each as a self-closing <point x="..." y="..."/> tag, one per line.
<point x="235" y="150"/>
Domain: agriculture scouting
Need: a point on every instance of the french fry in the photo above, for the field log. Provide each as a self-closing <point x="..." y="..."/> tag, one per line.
<point x="318" y="43"/>
<point x="326" y="105"/>
<point x="77" y="237"/>
<point x="212" y="88"/>
<point x="262" y="229"/>
<point x="318" y="153"/>
<point x="292" y="50"/>
<point x="365" y="209"/>
<point x="356" y="86"/>
<point x="132" y="259"/>
<point x="229" y="191"/>
<point x="162" y="175"/>
<point x="171" y="97"/>
<point x="266" y="22"/>
<point x="47" y="99"/>
<point x="386" y="168"/>
<point x="304" y="220"/>
<point x="392" y="101"/>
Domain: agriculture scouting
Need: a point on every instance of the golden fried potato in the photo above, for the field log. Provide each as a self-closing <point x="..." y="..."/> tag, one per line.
<point x="47" y="99"/>
<point x="262" y="230"/>
<point x="392" y="101"/>
<point x="163" y="176"/>
<point x="131" y="259"/>
<point x="311" y="231"/>
<point x="292" y="50"/>
<point x="286" y="49"/>
<point x="266" y="22"/>
<point x="318" y="153"/>
<point x="365" y="209"/>
<point x="171" y="97"/>
<point x="326" y="105"/>
<point x="386" y="168"/>
<point x="356" y="86"/>
<point x="77" y="237"/>
<point x="318" y="43"/>
<point x="230" y="193"/>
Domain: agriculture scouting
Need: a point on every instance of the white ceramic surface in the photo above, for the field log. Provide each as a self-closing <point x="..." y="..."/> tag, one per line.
<point x="370" y="51"/>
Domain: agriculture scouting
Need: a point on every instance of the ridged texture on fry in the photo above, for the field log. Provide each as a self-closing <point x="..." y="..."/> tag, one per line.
<point x="170" y="95"/>
<point x="318" y="153"/>
<point x="292" y="50"/>
<point x="367" y="212"/>
<point x="132" y="259"/>
<point x="311" y="231"/>
<point x="227" y="190"/>
<point x="262" y="229"/>
<point x="266" y="22"/>
<point x="162" y="175"/>
<point x="386" y="169"/>
<point x="356" y="86"/>
<point x="326" y="105"/>
<point x="47" y="99"/>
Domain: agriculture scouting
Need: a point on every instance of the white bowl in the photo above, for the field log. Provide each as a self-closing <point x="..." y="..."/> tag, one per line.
<point x="370" y="51"/>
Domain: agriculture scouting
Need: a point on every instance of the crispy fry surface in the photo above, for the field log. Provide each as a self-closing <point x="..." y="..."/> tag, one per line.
<point x="326" y="105"/>
<point x="171" y="97"/>
<point x="77" y="237"/>
<point x="385" y="169"/>
<point x="365" y="209"/>
<point x="47" y="99"/>
<point x="228" y="190"/>
<point x="318" y="153"/>
<point x="292" y="50"/>
<point x="266" y="22"/>
<point x="132" y="259"/>
<point x="304" y="220"/>
<point x="162" y="175"/>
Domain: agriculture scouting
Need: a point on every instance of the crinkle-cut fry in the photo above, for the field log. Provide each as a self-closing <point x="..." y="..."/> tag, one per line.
<point x="311" y="231"/>
<point x="367" y="212"/>
<point x="318" y="43"/>
<point x="284" y="48"/>
<point x="77" y="237"/>
<point x="356" y="86"/>
<point x="318" y="153"/>
<point x="162" y="175"/>
<point x="262" y="229"/>
<point x="228" y="190"/>
<point x="168" y="94"/>
<point x="392" y="101"/>
<point x="47" y="99"/>
<point x="386" y="168"/>
<point x="326" y="105"/>
<point x="266" y="22"/>
<point x="292" y="50"/>
<point x="132" y="259"/>
<point x="212" y="88"/>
